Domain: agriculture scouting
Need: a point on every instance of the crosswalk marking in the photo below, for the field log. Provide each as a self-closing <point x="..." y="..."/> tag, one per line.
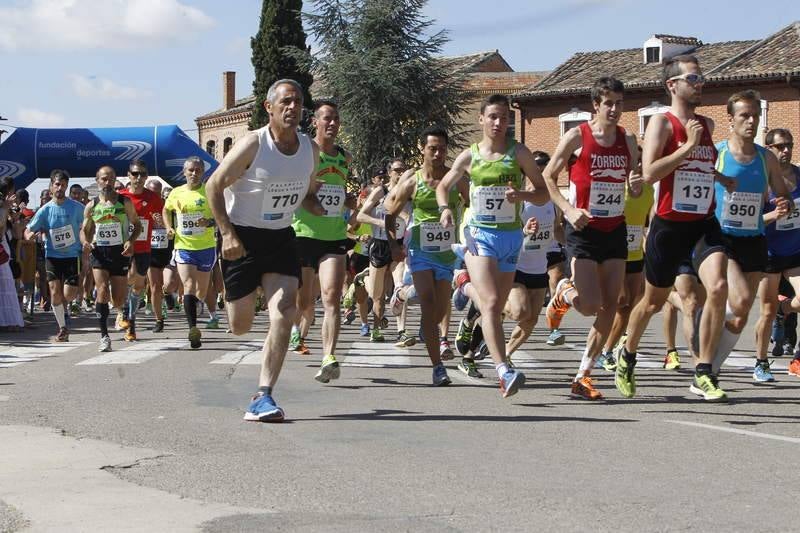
<point x="743" y="361"/>
<point x="378" y="355"/>
<point x="26" y="353"/>
<point x="135" y="354"/>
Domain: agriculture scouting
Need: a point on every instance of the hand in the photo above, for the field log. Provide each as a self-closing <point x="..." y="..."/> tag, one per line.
<point x="398" y="253"/>
<point x="531" y="226"/>
<point x="87" y="247"/>
<point x="729" y="183"/>
<point x="446" y="218"/>
<point x="579" y="218"/>
<point x="363" y="238"/>
<point x="782" y="206"/>
<point x="232" y="247"/>
<point x="635" y="182"/>
<point x="694" y="131"/>
<point x="170" y="233"/>
<point x="315" y="185"/>
<point x="202" y="222"/>
<point x="512" y="194"/>
<point x="127" y="249"/>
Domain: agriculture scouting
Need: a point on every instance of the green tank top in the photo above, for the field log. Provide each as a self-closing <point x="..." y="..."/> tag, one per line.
<point x="488" y="184"/>
<point x="427" y="234"/>
<point x="331" y="226"/>
<point x="110" y="223"/>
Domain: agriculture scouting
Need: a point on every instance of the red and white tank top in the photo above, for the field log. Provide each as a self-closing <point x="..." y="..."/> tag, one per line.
<point x="687" y="193"/>
<point x="597" y="179"/>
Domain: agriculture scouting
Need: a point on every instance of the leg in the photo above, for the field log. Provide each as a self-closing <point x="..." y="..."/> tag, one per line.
<point x="611" y="277"/>
<point x="491" y="288"/>
<point x="280" y="293"/>
<point x="155" y="277"/>
<point x="305" y="300"/>
<point x="713" y="275"/>
<point x="331" y="277"/>
<point x="430" y="295"/>
<point x="768" y="294"/>
<point x="525" y="315"/>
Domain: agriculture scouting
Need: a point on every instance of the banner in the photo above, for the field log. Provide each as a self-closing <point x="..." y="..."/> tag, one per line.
<point x="31" y="153"/>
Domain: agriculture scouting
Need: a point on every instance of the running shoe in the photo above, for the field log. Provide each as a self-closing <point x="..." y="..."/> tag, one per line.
<point x="788" y="348"/>
<point x="294" y="339"/>
<point x="88" y="306"/>
<point x="121" y="322"/>
<point x="404" y="340"/>
<point x="606" y="361"/>
<point x="159" y="327"/>
<point x="440" y="377"/>
<point x="349" y="296"/>
<point x="349" y="316"/>
<point x="213" y="323"/>
<point x="511" y="382"/>
<point x="556" y="338"/>
<point x="396" y="303"/>
<point x="672" y="361"/>
<point x="194" y="337"/>
<point x="358" y="279"/>
<point x="778" y="331"/>
<point x="468" y="367"/>
<point x="445" y="351"/>
<point x="105" y="344"/>
<point x="302" y="349"/>
<point x="384" y="322"/>
<point x="130" y="336"/>
<point x="584" y="388"/>
<point x="220" y="302"/>
<point x="148" y="309"/>
<point x="707" y="386"/>
<point x="624" y="378"/>
<point x="141" y="303"/>
<point x="263" y="409"/>
<point x="481" y="351"/>
<point x="460" y="299"/>
<point x="62" y="335"/>
<point x="794" y="367"/>
<point x="762" y="373"/>
<point x="169" y="299"/>
<point x="328" y="370"/>
<point x="74" y="308"/>
<point x="364" y="330"/>
<point x="558" y="306"/>
<point x="463" y="337"/>
<point x="376" y="336"/>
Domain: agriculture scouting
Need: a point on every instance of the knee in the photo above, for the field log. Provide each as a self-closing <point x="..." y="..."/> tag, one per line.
<point x="519" y="312"/>
<point x="240" y="326"/>
<point x="491" y="305"/>
<point x="737" y="324"/>
<point x="718" y="291"/>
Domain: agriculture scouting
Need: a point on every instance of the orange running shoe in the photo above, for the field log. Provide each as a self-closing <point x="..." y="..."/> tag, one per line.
<point x="130" y="336"/>
<point x="584" y="388"/>
<point x="302" y="349"/>
<point x="558" y="306"/>
<point x="794" y="368"/>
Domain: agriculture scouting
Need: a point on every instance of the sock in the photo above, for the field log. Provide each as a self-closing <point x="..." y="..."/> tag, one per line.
<point x="727" y="342"/>
<point x="266" y="391"/>
<point x="58" y="311"/>
<point x="102" y="315"/>
<point x="190" y="307"/>
<point x="295" y="329"/>
<point x="702" y="369"/>
<point x="586" y="365"/>
<point x="472" y="313"/>
<point x="212" y="315"/>
<point x="411" y="295"/>
<point x="442" y="339"/>
<point x="502" y="368"/>
<point x="568" y="294"/>
<point x="630" y="357"/>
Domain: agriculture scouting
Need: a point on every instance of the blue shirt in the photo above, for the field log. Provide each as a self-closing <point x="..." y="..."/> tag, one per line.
<point x="62" y="226"/>
<point x="740" y="213"/>
<point x="783" y="235"/>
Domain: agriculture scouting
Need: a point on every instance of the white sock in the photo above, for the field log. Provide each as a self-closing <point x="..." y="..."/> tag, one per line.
<point x="58" y="311"/>
<point x="502" y="368"/>
<point x="586" y="364"/>
<point x="295" y="329"/>
<point x="727" y="342"/>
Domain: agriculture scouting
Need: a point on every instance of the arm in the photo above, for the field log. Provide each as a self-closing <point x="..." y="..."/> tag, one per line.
<point x="34" y="225"/>
<point x="394" y="203"/>
<point x="539" y="195"/>
<point x="311" y="203"/>
<point x="783" y="200"/>
<point x="656" y="135"/>
<point x="166" y="218"/>
<point x="569" y="143"/>
<point x="364" y="215"/>
<point x="634" y="179"/>
<point x="231" y="169"/>
<point x="463" y="190"/>
<point x="133" y="218"/>
<point x="460" y="167"/>
<point x="87" y="229"/>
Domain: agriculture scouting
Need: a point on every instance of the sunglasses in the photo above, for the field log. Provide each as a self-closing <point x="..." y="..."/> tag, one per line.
<point x="137" y="173"/>
<point x="398" y="169"/>
<point x="691" y="78"/>
<point x="782" y="146"/>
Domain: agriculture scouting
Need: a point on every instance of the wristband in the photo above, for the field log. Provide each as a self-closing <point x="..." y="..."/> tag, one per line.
<point x="442" y="208"/>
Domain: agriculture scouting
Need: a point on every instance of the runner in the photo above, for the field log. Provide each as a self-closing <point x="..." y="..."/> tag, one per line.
<point x="60" y="221"/>
<point x="430" y="258"/>
<point x="160" y="254"/>
<point x="148" y="205"/>
<point x="688" y="296"/>
<point x="783" y="241"/>
<point x="754" y="171"/>
<point x="496" y="166"/>
<point x="596" y="234"/>
<point x="195" y="245"/>
<point x="253" y="194"/>
<point x="356" y="293"/>
<point x="678" y="157"/>
<point x="107" y="233"/>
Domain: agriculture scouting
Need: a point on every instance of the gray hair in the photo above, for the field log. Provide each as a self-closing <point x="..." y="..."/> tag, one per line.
<point x="193" y="160"/>
<point x="274" y="88"/>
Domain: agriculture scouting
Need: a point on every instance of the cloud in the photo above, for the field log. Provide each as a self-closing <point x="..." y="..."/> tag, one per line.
<point x="80" y="24"/>
<point x="104" y="89"/>
<point x="36" y="118"/>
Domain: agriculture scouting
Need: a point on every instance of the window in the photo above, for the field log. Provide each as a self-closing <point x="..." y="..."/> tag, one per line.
<point x="646" y="112"/>
<point x="574" y="118"/>
<point x="226" y="146"/>
<point x="211" y="148"/>
<point x="763" y="124"/>
<point x="653" y="54"/>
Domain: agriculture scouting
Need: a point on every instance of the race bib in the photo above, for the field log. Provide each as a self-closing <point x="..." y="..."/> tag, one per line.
<point x="692" y="192"/>
<point x="145" y="225"/>
<point x="281" y="199"/>
<point x="379" y="232"/>
<point x="635" y="234"/>
<point x="607" y="199"/>
<point x="741" y="210"/>
<point x="158" y="240"/>
<point x="62" y="237"/>
<point x="541" y="240"/>
<point x="332" y="198"/>
<point x="489" y="205"/>
<point x="791" y="221"/>
<point x="189" y="224"/>
<point x="109" y="234"/>
<point x="434" y="237"/>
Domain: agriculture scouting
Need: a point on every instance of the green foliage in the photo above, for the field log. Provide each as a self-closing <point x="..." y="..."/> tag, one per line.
<point x="280" y="32"/>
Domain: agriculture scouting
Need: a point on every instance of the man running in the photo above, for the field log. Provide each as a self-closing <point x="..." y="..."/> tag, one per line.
<point x="148" y="205"/>
<point x="60" y="220"/>
<point x="678" y="156"/>
<point x="496" y="166"/>
<point x="253" y="194"/>
<point x="110" y="229"/>
<point x="596" y="234"/>
<point x="430" y="258"/>
<point x="160" y="255"/>
<point x="195" y="245"/>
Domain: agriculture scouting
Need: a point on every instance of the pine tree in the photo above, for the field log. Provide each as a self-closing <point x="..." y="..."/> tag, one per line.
<point x="378" y="60"/>
<point x="280" y="32"/>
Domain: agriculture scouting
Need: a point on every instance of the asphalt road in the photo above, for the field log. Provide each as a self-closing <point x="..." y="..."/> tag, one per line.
<point x="151" y="438"/>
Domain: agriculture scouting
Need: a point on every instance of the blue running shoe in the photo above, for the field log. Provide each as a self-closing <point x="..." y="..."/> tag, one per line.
<point x="511" y="382"/>
<point x="556" y="338"/>
<point x="440" y="377"/>
<point x="762" y="373"/>
<point x="364" y="330"/>
<point x="460" y="299"/>
<point x="263" y="409"/>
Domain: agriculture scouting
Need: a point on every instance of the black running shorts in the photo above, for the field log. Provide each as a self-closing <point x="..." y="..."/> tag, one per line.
<point x="64" y="269"/>
<point x="669" y="243"/>
<point x="598" y="246"/>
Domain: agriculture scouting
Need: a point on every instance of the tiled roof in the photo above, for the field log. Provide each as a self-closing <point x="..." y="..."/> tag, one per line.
<point x="243" y="105"/>
<point x="677" y="39"/>
<point x="470" y="62"/>
<point x="502" y="82"/>
<point x="777" y="55"/>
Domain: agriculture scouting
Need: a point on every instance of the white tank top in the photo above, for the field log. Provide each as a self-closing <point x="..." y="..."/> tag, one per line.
<point x="269" y="192"/>
<point x="533" y="254"/>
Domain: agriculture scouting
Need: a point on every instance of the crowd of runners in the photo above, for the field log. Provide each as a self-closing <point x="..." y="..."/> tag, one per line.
<point x="678" y="224"/>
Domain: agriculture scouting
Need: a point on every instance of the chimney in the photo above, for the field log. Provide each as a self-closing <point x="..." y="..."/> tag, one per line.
<point x="228" y="89"/>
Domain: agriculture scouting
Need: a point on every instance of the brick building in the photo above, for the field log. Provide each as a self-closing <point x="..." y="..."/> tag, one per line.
<point x="487" y="72"/>
<point x="771" y="66"/>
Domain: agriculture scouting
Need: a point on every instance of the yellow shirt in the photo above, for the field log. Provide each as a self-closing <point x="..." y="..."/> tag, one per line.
<point x="190" y="207"/>
<point x="636" y="211"/>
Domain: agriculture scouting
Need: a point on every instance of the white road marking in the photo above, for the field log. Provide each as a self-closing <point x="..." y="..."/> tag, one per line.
<point x="769" y="436"/>
<point x="379" y="355"/>
<point x="742" y="361"/>
<point x="135" y="353"/>
<point x="16" y="355"/>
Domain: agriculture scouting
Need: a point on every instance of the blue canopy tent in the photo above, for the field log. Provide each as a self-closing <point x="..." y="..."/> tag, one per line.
<point x="31" y="153"/>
